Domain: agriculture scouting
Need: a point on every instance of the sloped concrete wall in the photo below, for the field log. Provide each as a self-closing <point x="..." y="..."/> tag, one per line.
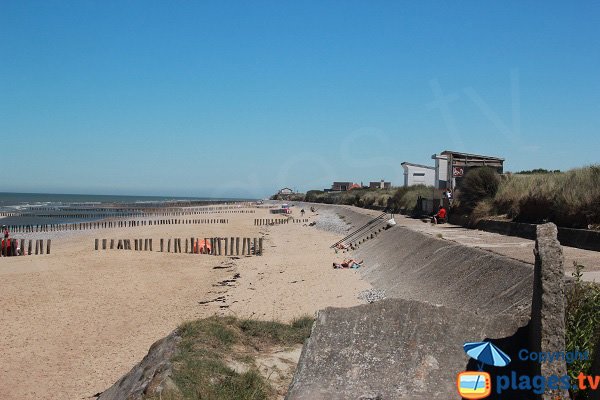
<point x="412" y="265"/>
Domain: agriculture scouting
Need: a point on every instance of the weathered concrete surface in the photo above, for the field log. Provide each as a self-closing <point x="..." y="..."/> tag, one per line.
<point x="150" y="377"/>
<point x="392" y="349"/>
<point x="509" y="246"/>
<point x="548" y="304"/>
<point x="412" y="265"/>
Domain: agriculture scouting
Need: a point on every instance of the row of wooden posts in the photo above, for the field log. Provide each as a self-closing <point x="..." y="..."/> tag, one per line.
<point x="216" y="246"/>
<point x="112" y="224"/>
<point x="140" y="213"/>
<point x="9" y="247"/>
<point x="279" y="221"/>
<point x="133" y="210"/>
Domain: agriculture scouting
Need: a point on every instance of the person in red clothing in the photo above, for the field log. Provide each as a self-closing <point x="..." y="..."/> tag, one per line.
<point x="5" y="241"/>
<point x="440" y="216"/>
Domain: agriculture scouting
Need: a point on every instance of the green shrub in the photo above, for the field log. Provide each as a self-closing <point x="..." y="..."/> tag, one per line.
<point x="483" y="209"/>
<point x="314" y="195"/>
<point x="406" y="197"/>
<point x="477" y="185"/>
<point x="582" y="324"/>
<point x="365" y="197"/>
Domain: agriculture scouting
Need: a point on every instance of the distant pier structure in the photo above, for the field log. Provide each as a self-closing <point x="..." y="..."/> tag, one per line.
<point x="285" y="193"/>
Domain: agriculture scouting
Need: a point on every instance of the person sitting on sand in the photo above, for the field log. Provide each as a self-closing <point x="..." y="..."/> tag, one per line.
<point x="351" y="263"/>
<point x="440" y="217"/>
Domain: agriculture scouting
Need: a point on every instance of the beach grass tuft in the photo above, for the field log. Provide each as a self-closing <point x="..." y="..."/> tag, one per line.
<point x="202" y="366"/>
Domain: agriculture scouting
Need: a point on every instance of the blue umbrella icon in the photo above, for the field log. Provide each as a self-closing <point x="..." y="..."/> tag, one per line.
<point x="486" y="353"/>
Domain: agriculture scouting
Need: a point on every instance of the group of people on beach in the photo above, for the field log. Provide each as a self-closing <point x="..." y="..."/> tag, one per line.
<point x="9" y="247"/>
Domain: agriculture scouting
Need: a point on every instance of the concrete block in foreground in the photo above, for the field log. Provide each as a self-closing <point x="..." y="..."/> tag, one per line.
<point x="391" y="349"/>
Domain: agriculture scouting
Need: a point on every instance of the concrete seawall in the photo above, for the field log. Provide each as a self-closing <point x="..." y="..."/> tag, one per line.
<point x="409" y="346"/>
<point x="412" y="265"/>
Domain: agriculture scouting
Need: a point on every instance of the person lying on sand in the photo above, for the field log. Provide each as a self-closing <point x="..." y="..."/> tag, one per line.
<point x="342" y="246"/>
<point x="351" y="263"/>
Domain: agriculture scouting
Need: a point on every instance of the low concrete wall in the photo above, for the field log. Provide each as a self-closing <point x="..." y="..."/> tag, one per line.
<point x="580" y="238"/>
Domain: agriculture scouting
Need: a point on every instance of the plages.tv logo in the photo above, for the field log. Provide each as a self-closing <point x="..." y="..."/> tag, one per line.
<point x="478" y="384"/>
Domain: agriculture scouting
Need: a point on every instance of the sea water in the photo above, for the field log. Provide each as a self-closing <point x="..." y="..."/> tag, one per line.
<point x="32" y="205"/>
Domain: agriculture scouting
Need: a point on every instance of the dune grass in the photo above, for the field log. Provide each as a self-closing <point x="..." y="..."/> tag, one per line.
<point x="201" y="369"/>
<point x="355" y="197"/>
<point x="570" y="198"/>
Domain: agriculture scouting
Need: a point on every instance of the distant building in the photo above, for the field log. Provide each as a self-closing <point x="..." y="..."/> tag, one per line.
<point x="380" y="185"/>
<point x="417" y="174"/>
<point x="452" y="166"/>
<point x="343" y="186"/>
<point x="286" y="191"/>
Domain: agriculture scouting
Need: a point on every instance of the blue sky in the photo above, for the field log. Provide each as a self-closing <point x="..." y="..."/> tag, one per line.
<point x="241" y="98"/>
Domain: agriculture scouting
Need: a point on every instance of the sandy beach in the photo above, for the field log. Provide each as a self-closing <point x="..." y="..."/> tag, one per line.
<point x="76" y="320"/>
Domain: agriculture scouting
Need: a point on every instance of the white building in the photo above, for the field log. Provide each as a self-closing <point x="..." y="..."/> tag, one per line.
<point x="441" y="171"/>
<point x="417" y="174"/>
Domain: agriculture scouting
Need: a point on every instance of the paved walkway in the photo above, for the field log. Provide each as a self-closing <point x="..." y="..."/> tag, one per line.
<point x="510" y="246"/>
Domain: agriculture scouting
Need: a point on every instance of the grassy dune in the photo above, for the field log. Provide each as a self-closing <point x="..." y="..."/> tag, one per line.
<point x="217" y="358"/>
<point x="394" y="199"/>
<point x="569" y="198"/>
